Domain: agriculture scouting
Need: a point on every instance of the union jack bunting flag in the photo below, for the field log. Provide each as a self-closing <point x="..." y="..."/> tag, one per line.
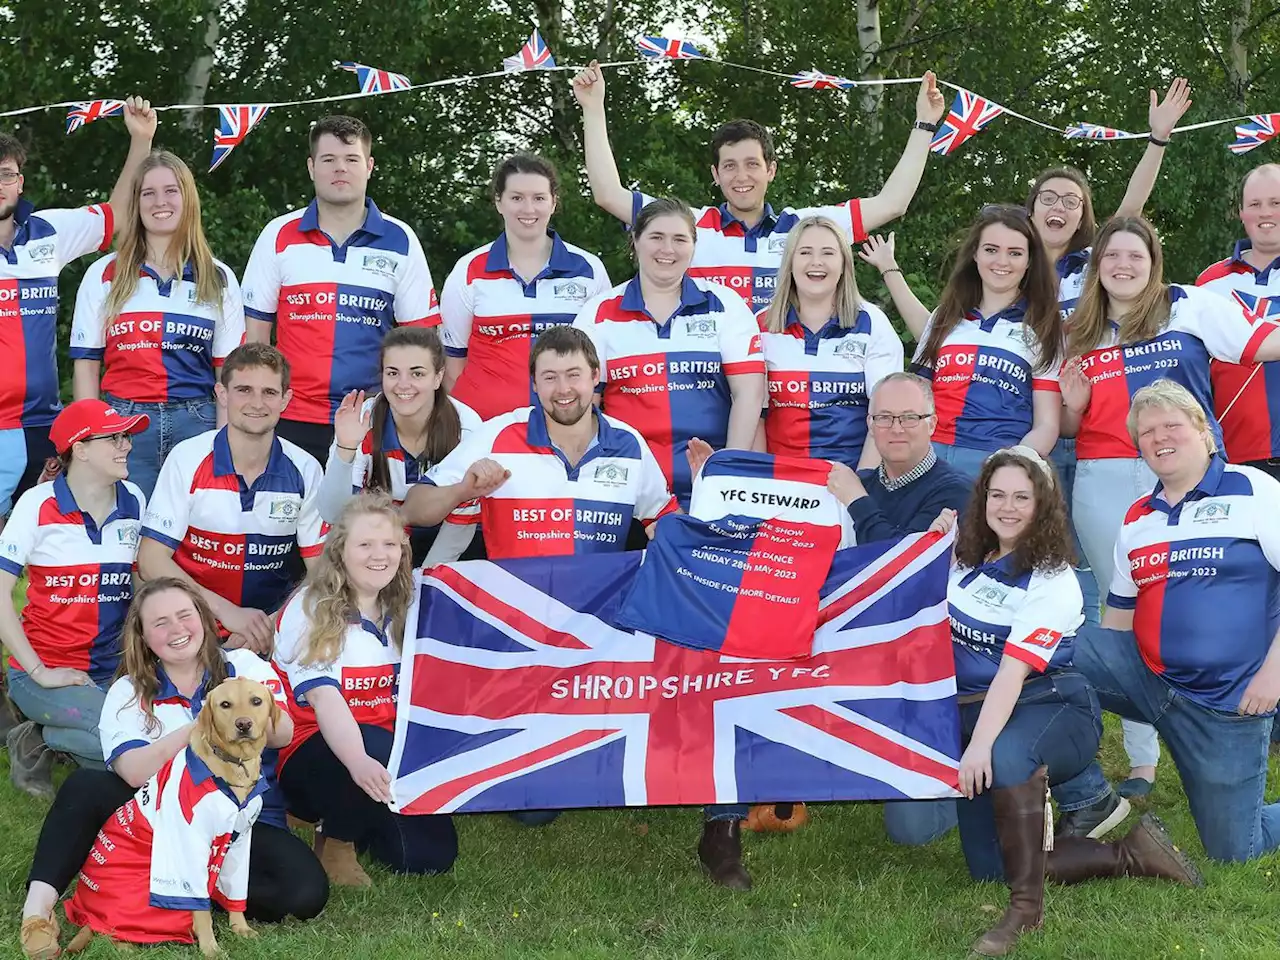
<point x="816" y="80"/>
<point x="373" y="80"/>
<point x="92" y="110"/>
<point x="1255" y="132"/>
<point x="534" y="55"/>
<point x="1092" y="131"/>
<point x="660" y="48"/>
<point x="968" y="115"/>
<point x="519" y="691"/>
<point x="234" y="124"/>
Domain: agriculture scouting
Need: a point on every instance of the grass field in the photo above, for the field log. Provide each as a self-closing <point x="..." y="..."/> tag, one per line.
<point x="611" y="885"/>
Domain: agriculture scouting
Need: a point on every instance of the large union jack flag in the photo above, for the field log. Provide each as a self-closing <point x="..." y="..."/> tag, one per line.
<point x="1092" y="131"/>
<point x="234" y="124"/>
<point x="661" y="48"/>
<point x="92" y="110"/>
<point x="373" y="80"/>
<point x="1255" y="132"/>
<point x="534" y="55"/>
<point x="968" y="115"/>
<point x="518" y="691"/>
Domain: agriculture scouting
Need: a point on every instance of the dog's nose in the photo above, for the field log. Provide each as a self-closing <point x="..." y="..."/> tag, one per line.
<point x="244" y="725"/>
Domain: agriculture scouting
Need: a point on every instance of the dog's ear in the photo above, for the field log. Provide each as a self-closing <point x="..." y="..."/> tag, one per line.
<point x="276" y="713"/>
<point x="204" y="723"/>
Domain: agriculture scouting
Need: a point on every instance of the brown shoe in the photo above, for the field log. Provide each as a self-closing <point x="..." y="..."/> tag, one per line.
<point x="720" y="852"/>
<point x="1145" y="851"/>
<point x="30" y="761"/>
<point x="40" y="938"/>
<point x="338" y="857"/>
<point x="1020" y="824"/>
<point x="776" y="818"/>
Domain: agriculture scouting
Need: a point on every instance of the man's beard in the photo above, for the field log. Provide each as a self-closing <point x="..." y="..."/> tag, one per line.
<point x="567" y="417"/>
<point x="7" y="210"/>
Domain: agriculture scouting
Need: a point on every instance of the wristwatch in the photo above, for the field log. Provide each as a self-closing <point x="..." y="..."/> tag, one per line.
<point x="925" y="125"/>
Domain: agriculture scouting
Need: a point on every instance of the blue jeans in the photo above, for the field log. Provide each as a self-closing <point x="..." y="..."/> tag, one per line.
<point x="1221" y="757"/>
<point x="67" y="716"/>
<point x="913" y="823"/>
<point x="1063" y="457"/>
<point x="1055" y="722"/>
<point x="967" y="461"/>
<point x="171" y="423"/>
<point x="13" y="463"/>
<point x="725" y="811"/>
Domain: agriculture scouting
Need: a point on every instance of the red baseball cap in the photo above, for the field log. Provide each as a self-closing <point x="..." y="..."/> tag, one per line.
<point x="92" y="418"/>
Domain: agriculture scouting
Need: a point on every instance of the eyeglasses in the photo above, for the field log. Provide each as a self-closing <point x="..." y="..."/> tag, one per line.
<point x="8" y="177"/>
<point x="118" y="440"/>
<point x="909" y="421"/>
<point x="1009" y="209"/>
<point x="1071" y="201"/>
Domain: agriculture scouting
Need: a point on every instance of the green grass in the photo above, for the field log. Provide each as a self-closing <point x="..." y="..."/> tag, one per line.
<point x="615" y="884"/>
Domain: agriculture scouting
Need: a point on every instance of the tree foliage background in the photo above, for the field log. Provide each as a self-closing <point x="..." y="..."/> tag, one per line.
<point x="1061" y="62"/>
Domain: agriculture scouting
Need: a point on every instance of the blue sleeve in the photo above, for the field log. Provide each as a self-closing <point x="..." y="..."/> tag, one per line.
<point x="870" y="523"/>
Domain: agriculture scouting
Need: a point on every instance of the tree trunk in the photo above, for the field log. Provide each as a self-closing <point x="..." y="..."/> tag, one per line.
<point x="563" y="110"/>
<point x="870" y="99"/>
<point x="1238" y="54"/>
<point x="196" y="83"/>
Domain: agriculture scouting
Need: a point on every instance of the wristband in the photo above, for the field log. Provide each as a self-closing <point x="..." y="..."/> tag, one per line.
<point x="891" y="270"/>
<point x="1155" y="141"/>
<point x="341" y="447"/>
<point x="925" y="125"/>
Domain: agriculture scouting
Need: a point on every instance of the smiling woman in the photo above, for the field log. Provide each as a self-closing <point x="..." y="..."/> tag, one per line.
<point x="154" y="320"/>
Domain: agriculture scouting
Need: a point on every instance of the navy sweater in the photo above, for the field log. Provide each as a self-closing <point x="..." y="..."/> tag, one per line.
<point x="888" y="514"/>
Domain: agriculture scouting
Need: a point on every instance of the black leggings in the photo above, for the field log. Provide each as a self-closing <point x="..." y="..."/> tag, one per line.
<point x="285" y="878"/>
<point x="318" y="787"/>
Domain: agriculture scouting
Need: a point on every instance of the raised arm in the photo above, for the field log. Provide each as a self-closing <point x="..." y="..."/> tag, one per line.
<point x="895" y="196"/>
<point x="602" y="172"/>
<point x="141" y="121"/>
<point x="1163" y="116"/>
<point x="880" y="253"/>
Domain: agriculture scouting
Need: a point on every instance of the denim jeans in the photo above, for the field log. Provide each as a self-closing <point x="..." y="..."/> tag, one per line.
<point x="967" y="461"/>
<point x="171" y="423"/>
<point x="913" y="823"/>
<point x="1056" y="722"/>
<point x="68" y="716"/>
<point x="725" y="811"/>
<point x="1104" y="490"/>
<point x="13" y="462"/>
<point x="1221" y="757"/>
<point x="1063" y="457"/>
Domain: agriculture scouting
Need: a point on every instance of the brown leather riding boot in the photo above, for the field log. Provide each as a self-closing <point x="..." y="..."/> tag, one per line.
<point x="1145" y="851"/>
<point x="720" y="851"/>
<point x="1023" y="833"/>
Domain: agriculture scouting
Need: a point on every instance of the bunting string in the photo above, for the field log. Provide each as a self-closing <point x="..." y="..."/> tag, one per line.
<point x="969" y="114"/>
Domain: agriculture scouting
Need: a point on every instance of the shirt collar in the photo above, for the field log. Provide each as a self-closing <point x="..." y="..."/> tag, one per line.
<point x="374" y="223"/>
<point x="188" y="273"/>
<point x="66" y="500"/>
<point x="169" y="692"/>
<point x="1237" y="256"/>
<point x="199" y="772"/>
<point x="224" y="465"/>
<point x="373" y="629"/>
<point x="562" y="262"/>
<point x="912" y="475"/>
<point x="764" y="225"/>
<point x="538" y="436"/>
<point x="1073" y="262"/>
<point x="1207" y="486"/>
<point x="796" y="328"/>
<point x="22" y="213"/>
<point x="691" y="295"/>
<point x="1013" y="313"/>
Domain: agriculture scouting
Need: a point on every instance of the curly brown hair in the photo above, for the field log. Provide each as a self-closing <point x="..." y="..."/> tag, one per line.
<point x="138" y="663"/>
<point x="1047" y="544"/>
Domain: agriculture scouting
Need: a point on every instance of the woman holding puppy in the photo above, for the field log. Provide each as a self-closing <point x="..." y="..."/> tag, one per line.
<point x="338" y="645"/>
<point x="171" y="658"/>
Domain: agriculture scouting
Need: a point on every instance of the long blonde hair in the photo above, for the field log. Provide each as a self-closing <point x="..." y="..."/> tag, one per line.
<point x="139" y="663"/>
<point x="1149" y="314"/>
<point x="188" y="246"/>
<point x="330" y="603"/>
<point x="848" y="302"/>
